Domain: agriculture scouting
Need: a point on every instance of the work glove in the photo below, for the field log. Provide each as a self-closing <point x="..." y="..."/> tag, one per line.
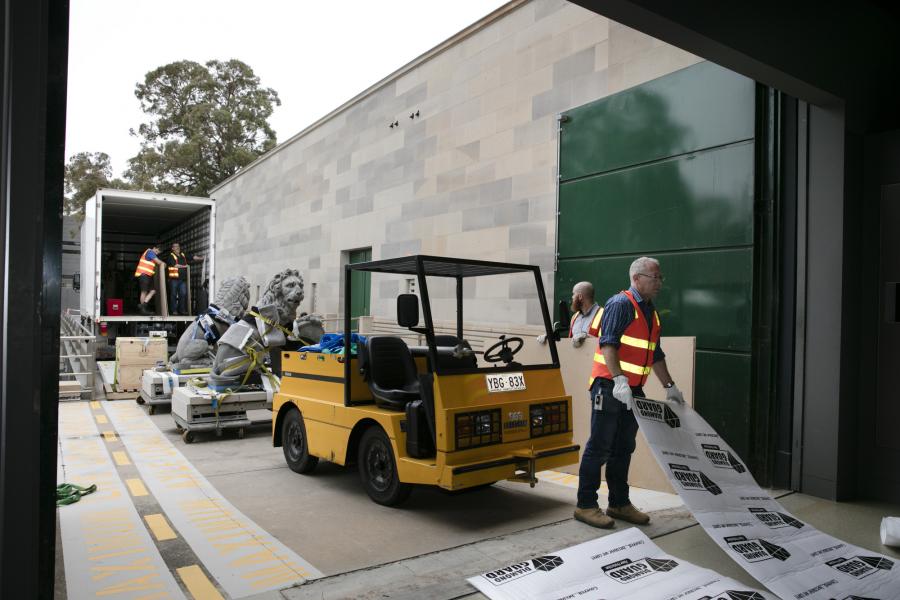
<point x="578" y="339"/>
<point x="673" y="393"/>
<point x="622" y="391"/>
<point x="541" y="339"/>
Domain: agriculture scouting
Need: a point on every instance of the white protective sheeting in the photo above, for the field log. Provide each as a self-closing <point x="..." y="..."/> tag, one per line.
<point x="621" y="566"/>
<point x="890" y="531"/>
<point x="793" y="559"/>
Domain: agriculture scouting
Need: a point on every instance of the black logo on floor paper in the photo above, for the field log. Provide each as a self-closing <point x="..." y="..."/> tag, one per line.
<point x="657" y="411"/>
<point x="722" y="459"/>
<point x="775" y="520"/>
<point x="519" y="570"/>
<point x="756" y="550"/>
<point x="547" y="563"/>
<point x="735" y="595"/>
<point x="690" y="479"/>
<point x="861" y="566"/>
<point x="627" y="570"/>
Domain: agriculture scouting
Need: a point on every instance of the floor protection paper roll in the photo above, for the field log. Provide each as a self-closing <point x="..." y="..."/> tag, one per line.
<point x="620" y="566"/>
<point x="791" y="558"/>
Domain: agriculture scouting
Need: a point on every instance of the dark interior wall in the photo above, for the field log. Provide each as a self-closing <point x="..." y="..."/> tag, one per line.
<point x="854" y="287"/>
<point x="878" y="468"/>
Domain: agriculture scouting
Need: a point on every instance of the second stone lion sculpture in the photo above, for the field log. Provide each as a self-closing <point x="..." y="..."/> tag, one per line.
<point x="243" y="349"/>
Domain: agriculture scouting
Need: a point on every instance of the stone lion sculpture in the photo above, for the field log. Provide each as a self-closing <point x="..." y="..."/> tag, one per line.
<point x="285" y="292"/>
<point x="193" y="349"/>
<point x="247" y="343"/>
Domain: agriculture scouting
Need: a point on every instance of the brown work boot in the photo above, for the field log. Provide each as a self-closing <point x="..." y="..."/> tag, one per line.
<point x="594" y="517"/>
<point x="628" y="513"/>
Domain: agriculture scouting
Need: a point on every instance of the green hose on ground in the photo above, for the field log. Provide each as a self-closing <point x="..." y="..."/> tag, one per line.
<point x="69" y="493"/>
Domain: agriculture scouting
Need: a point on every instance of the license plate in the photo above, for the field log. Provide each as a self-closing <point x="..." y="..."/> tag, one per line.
<point x="505" y="382"/>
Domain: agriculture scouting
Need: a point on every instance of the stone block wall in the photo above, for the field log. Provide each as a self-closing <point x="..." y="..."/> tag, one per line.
<point x="473" y="175"/>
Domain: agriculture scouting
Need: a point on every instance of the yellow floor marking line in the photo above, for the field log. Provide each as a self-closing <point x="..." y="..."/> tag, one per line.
<point x="109" y="436"/>
<point x="95" y="405"/>
<point x="107" y="551"/>
<point x="121" y="458"/>
<point x="136" y="486"/>
<point x="198" y="584"/>
<point x="102" y="419"/>
<point x="160" y="527"/>
<point x="238" y="554"/>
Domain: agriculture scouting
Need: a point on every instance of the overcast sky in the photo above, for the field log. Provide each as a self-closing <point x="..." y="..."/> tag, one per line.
<point x="316" y="55"/>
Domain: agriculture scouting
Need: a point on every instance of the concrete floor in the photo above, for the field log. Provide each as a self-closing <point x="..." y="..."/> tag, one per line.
<point x="328" y="519"/>
<point x="427" y="547"/>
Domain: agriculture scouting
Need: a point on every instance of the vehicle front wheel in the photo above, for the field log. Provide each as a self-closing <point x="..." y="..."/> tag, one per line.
<point x="294" y="444"/>
<point x="378" y="469"/>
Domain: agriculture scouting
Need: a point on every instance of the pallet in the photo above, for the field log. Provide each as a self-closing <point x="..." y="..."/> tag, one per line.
<point x="115" y="394"/>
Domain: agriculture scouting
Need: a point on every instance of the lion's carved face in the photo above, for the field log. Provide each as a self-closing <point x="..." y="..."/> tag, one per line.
<point x="291" y="292"/>
<point x="285" y="291"/>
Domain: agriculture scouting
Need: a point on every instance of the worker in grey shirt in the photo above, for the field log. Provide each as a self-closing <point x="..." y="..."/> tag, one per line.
<point x="584" y="309"/>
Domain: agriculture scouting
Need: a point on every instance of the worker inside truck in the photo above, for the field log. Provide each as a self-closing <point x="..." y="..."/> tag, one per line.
<point x="178" y="276"/>
<point x="145" y="271"/>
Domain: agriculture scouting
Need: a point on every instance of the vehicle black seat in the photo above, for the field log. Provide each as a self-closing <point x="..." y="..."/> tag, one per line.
<point x="391" y="372"/>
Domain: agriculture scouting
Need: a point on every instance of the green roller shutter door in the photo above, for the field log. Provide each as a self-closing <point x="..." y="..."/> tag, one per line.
<point x="666" y="169"/>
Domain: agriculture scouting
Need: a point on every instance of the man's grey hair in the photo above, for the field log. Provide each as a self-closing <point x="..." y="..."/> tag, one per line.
<point x="641" y="265"/>
<point x="585" y="288"/>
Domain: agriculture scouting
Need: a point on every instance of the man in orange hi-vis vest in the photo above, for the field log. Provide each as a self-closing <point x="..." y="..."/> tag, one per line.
<point x="628" y="350"/>
<point x="146" y="269"/>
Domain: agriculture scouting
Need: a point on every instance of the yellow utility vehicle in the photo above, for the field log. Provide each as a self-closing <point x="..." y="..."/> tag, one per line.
<point x="439" y="414"/>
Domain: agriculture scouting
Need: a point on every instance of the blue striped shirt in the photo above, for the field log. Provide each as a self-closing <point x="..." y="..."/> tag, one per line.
<point x="618" y="315"/>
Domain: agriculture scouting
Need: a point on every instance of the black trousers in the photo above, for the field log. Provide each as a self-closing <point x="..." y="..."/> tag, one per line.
<point x="611" y="443"/>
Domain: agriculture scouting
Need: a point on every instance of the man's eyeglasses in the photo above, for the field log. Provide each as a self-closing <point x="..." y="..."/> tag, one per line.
<point x="658" y="278"/>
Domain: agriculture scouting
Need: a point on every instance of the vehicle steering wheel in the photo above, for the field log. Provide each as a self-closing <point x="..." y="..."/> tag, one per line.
<point x="501" y="350"/>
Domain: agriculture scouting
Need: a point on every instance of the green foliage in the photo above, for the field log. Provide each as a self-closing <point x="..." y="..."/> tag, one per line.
<point x="207" y="121"/>
<point x="86" y="172"/>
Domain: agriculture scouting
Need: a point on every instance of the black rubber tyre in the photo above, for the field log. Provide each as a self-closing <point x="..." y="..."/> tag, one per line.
<point x="294" y="444"/>
<point x="378" y="469"/>
<point x="151" y="410"/>
<point x="241" y="433"/>
<point x="187" y="436"/>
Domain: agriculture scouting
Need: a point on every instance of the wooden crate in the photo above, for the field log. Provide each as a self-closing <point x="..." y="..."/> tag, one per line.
<point x="141" y="351"/>
<point x="128" y="377"/>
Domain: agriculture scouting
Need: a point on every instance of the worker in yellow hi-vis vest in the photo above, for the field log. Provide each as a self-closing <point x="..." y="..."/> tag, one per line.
<point x="146" y="269"/>
<point x="176" y="271"/>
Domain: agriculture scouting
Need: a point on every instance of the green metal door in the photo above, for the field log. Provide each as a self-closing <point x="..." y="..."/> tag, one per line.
<point x="361" y="284"/>
<point x="666" y="169"/>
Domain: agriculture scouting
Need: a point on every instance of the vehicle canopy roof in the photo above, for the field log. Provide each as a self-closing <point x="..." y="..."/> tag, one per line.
<point x="437" y="266"/>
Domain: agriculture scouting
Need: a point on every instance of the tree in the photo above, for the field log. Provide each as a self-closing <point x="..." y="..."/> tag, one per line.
<point x="86" y="172"/>
<point x="207" y="121"/>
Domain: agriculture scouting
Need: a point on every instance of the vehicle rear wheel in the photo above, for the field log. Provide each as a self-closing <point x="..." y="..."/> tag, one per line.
<point x="378" y="469"/>
<point x="294" y="444"/>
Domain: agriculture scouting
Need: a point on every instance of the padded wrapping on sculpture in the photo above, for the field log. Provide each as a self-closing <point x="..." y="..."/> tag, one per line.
<point x="392" y="374"/>
<point x="237" y="335"/>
